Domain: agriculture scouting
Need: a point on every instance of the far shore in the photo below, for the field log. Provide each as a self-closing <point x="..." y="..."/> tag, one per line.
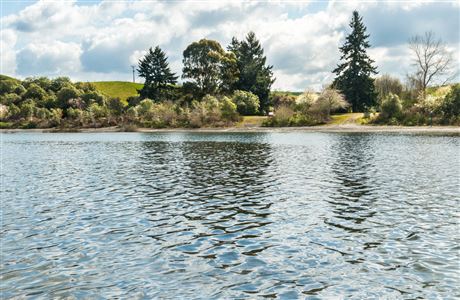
<point x="346" y="128"/>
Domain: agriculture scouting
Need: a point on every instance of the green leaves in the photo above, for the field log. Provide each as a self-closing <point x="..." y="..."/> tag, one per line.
<point x="154" y="68"/>
<point x="353" y="74"/>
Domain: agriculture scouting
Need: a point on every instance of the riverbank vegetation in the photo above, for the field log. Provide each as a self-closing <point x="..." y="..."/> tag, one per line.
<point x="220" y="85"/>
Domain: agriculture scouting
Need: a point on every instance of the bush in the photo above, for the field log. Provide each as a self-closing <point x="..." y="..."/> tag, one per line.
<point x="6" y="125"/>
<point x="278" y="100"/>
<point x="385" y="84"/>
<point x="144" y="109"/>
<point x="65" y="94"/>
<point x="27" y="109"/>
<point x="42" y="113"/>
<point x="8" y="86"/>
<point x="116" y="106"/>
<point x="246" y="102"/>
<point x="450" y="106"/>
<point x="330" y="100"/>
<point x="10" y="98"/>
<point x="13" y="112"/>
<point x="98" y="111"/>
<point x="132" y="114"/>
<point x="35" y="92"/>
<point x="229" y="109"/>
<point x="282" y="117"/>
<point x="306" y="99"/>
<point x="391" y="107"/>
<point x="60" y="82"/>
<point x="91" y="97"/>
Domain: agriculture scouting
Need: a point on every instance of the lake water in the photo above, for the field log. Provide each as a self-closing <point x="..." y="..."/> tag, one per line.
<point x="230" y="215"/>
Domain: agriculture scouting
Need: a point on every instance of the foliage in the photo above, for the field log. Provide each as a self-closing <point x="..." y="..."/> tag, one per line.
<point x="34" y="91"/>
<point x="330" y="100"/>
<point x="209" y="67"/>
<point x="451" y="104"/>
<point x="65" y="94"/>
<point x="154" y="68"/>
<point x="308" y="109"/>
<point x="385" y="84"/>
<point x="116" y="106"/>
<point x="247" y="103"/>
<point x="229" y="109"/>
<point x="391" y="107"/>
<point x="279" y="99"/>
<point x="353" y="74"/>
<point x="254" y="75"/>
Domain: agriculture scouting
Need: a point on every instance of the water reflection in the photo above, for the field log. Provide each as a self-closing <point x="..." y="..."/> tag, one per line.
<point x="352" y="157"/>
<point x="195" y="216"/>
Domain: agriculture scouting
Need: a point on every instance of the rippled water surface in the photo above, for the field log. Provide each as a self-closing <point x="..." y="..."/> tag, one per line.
<point x="230" y="215"/>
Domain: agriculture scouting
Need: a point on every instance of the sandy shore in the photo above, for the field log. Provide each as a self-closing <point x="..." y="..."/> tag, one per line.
<point x="323" y="128"/>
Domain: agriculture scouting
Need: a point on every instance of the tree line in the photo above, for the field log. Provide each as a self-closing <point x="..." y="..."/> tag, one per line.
<point x="221" y="85"/>
<point x="208" y="69"/>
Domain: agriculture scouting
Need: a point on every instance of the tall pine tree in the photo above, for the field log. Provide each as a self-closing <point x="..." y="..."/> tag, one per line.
<point x="354" y="74"/>
<point x="254" y="75"/>
<point x="158" y="76"/>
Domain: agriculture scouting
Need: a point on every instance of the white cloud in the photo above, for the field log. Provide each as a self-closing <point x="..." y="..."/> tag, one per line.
<point x="54" y="58"/>
<point x="104" y="39"/>
<point x="8" y="40"/>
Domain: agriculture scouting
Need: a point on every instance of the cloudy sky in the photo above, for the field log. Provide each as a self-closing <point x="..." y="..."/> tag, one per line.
<point x="99" y="40"/>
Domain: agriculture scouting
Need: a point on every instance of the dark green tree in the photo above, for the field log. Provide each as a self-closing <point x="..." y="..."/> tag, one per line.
<point x="154" y="68"/>
<point x="254" y="75"/>
<point x="211" y="69"/>
<point x="354" y="74"/>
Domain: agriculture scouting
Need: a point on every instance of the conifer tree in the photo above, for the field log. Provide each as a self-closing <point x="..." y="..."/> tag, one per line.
<point x="158" y="76"/>
<point x="254" y="75"/>
<point x="354" y="74"/>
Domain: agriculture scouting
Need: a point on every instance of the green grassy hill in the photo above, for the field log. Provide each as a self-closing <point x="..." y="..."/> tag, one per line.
<point x="4" y="77"/>
<point x="120" y="89"/>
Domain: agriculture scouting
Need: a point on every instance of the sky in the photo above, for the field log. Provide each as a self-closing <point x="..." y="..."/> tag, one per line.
<point x="100" y="40"/>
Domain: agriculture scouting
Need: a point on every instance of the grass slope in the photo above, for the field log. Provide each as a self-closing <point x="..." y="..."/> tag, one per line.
<point x="4" y="77"/>
<point x="120" y="89"/>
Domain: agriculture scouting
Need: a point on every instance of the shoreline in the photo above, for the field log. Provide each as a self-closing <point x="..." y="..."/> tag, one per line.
<point x="348" y="128"/>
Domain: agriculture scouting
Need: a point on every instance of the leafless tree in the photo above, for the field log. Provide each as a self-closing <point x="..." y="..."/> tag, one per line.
<point x="432" y="60"/>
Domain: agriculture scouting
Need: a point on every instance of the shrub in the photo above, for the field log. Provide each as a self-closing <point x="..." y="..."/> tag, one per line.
<point x="132" y="114"/>
<point x="98" y="111"/>
<point x="8" y="86"/>
<point x="450" y="106"/>
<point x="65" y="94"/>
<point x="228" y="109"/>
<point x="13" y="112"/>
<point x="385" y="84"/>
<point x="282" y="116"/>
<point x="6" y="125"/>
<point x="164" y="114"/>
<point x="91" y="97"/>
<point x="34" y="91"/>
<point x="27" y="109"/>
<point x="391" y="107"/>
<point x="116" y="106"/>
<point x="282" y="99"/>
<point x="10" y="98"/>
<point x="330" y="100"/>
<point x="42" y="113"/>
<point x="60" y="82"/>
<point x="246" y="102"/>
<point x="306" y="99"/>
<point x="133" y="100"/>
<point x="56" y="116"/>
<point x="144" y="109"/>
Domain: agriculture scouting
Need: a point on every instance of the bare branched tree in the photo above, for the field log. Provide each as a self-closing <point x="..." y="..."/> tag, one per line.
<point x="433" y="62"/>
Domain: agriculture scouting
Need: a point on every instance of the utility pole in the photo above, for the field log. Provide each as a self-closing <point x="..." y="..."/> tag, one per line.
<point x="134" y="70"/>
